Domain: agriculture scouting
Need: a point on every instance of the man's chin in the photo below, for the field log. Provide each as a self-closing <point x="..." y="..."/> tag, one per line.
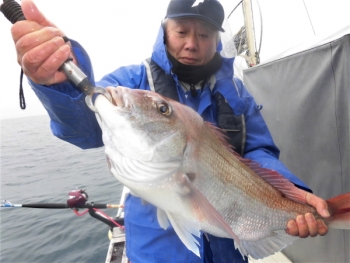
<point x="190" y="62"/>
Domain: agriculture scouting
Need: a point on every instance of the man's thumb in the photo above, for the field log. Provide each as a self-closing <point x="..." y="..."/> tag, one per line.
<point x="32" y="13"/>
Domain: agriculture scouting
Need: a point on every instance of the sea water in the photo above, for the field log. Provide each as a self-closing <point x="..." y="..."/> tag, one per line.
<point x="37" y="167"/>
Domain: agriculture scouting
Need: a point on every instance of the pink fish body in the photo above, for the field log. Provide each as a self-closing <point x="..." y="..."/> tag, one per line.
<point x="167" y="155"/>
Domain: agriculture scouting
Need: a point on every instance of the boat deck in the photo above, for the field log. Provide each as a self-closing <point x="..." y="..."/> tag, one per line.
<point x="116" y="251"/>
<point x="276" y="258"/>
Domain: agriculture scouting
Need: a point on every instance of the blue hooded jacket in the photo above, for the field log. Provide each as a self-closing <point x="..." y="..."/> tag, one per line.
<point x="74" y="122"/>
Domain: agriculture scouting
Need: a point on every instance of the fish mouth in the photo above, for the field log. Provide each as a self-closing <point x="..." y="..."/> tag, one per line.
<point x="122" y="99"/>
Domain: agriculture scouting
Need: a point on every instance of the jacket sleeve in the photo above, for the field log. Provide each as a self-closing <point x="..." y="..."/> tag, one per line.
<point x="259" y="143"/>
<point x="71" y="119"/>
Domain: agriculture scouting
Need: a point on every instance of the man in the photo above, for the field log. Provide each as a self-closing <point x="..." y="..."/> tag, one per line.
<point x="186" y="66"/>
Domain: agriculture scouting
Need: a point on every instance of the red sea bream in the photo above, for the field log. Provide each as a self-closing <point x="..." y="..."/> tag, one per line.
<point x="167" y="155"/>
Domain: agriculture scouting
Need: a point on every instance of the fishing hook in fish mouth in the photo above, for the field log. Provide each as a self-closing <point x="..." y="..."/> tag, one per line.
<point x="97" y="90"/>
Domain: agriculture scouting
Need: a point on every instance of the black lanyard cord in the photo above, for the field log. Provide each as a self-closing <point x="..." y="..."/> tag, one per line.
<point x="22" y="101"/>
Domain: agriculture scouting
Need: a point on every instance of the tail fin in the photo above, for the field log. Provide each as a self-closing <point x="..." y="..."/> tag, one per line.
<point x="339" y="208"/>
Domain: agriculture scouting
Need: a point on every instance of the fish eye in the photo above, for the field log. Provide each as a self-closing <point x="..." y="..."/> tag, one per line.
<point x="164" y="108"/>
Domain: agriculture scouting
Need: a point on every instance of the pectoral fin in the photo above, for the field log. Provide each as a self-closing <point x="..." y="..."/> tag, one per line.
<point x="186" y="229"/>
<point x="162" y="218"/>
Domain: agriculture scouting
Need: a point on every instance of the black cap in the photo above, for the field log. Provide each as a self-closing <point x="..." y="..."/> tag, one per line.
<point x="208" y="10"/>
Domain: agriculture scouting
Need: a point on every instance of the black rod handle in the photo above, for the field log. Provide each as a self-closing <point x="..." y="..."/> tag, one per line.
<point x="12" y="11"/>
<point x="63" y="206"/>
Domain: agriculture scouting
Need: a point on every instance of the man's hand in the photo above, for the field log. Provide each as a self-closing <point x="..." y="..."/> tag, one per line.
<point x="40" y="47"/>
<point x="306" y="225"/>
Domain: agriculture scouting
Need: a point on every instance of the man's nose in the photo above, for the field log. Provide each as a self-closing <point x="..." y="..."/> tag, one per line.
<point x="192" y="42"/>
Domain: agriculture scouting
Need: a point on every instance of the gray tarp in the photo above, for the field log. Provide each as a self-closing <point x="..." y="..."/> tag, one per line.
<point x="306" y="104"/>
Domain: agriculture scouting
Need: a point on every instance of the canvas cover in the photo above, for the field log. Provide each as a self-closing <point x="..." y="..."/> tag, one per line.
<point x="306" y="104"/>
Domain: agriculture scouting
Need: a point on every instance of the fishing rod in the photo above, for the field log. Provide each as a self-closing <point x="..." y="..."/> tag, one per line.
<point x="77" y="200"/>
<point x="13" y="12"/>
<point x="58" y="205"/>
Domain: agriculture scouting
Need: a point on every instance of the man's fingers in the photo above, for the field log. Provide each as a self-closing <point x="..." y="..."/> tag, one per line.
<point x="45" y="71"/>
<point x="317" y="202"/>
<point x="27" y="41"/>
<point x="292" y="228"/>
<point x="33" y="58"/>
<point x="21" y="28"/>
<point x="312" y="225"/>
<point x="302" y="226"/>
<point x="32" y="13"/>
<point x="322" y="227"/>
<point x="306" y="225"/>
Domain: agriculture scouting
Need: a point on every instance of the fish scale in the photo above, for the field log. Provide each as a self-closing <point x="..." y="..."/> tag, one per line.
<point x="246" y="224"/>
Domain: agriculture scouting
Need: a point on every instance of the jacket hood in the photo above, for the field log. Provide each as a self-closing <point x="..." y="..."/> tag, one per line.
<point x="159" y="55"/>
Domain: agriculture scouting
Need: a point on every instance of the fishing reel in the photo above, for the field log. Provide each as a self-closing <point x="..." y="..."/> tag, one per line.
<point x="77" y="198"/>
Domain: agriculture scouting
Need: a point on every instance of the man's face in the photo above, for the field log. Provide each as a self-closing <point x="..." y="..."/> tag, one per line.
<point x="191" y="41"/>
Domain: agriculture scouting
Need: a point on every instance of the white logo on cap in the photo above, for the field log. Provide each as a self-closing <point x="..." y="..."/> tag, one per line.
<point x="197" y="2"/>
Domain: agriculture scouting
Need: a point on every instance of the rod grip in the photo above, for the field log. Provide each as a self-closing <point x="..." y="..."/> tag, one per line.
<point x="12" y="11"/>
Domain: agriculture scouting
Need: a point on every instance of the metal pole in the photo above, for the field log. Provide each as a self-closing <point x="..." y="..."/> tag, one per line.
<point x="249" y="25"/>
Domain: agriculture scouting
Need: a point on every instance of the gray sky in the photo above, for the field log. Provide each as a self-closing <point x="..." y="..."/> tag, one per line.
<point x="119" y="32"/>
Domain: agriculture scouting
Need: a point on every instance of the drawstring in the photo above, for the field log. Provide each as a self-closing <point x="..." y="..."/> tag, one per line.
<point x="193" y="90"/>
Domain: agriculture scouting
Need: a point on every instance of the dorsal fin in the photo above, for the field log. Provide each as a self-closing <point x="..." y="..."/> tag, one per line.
<point x="287" y="188"/>
<point x="221" y="136"/>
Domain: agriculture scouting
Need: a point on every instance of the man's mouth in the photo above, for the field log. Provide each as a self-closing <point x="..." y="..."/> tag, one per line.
<point x="188" y="60"/>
